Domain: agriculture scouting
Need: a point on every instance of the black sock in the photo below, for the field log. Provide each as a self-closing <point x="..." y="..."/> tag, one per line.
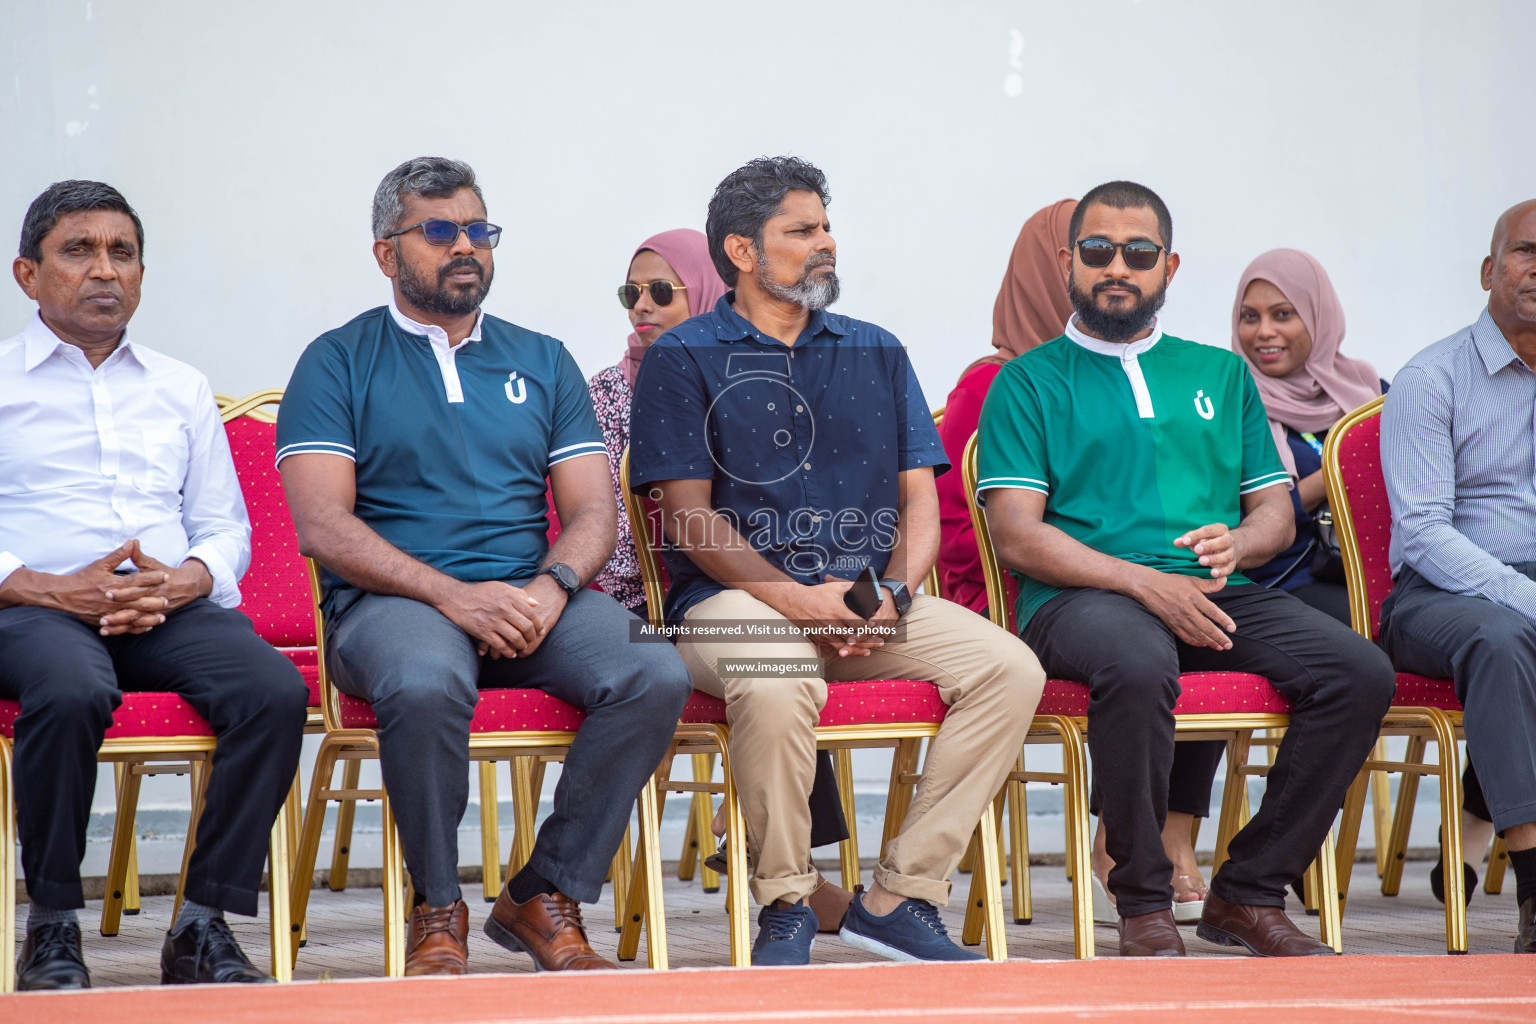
<point x="527" y="884"/>
<point x="1524" y="863"/>
<point x="419" y="898"/>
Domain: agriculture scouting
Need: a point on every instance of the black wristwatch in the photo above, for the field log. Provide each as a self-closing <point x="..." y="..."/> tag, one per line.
<point x="564" y="575"/>
<point x="899" y="594"/>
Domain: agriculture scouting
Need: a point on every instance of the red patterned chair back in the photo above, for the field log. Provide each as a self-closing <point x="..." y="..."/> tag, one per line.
<point x="275" y="588"/>
<point x="1357" y="495"/>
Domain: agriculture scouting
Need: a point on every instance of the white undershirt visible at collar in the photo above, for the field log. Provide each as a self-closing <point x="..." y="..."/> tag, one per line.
<point x="1127" y="353"/>
<point x="443" y="352"/>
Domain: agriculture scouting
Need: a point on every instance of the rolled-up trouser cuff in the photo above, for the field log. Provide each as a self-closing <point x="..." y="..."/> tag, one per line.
<point x="790" y="888"/>
<point x="913" y="887"/>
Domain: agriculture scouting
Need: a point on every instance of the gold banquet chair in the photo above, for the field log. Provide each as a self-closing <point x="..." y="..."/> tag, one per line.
<point x="1424" y="710"/>
<point x="517" y="725"/>
<point x="1226" y="706"/>
<point x="875" y="713"/>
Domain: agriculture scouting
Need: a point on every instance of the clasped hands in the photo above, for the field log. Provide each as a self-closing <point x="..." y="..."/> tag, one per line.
<point x="829" y="623"/>
<point x="1180" y="601"/>
<point x="133" y="603"/>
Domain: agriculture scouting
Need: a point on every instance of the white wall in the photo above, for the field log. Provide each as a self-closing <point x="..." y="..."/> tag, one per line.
<point x="1382" y="136"/>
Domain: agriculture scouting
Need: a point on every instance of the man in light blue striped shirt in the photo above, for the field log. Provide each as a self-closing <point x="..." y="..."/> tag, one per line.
<point x="1458" y="446"/>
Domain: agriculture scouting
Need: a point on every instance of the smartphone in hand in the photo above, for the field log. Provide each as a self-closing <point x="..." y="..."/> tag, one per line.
<point x="864" y="597"/>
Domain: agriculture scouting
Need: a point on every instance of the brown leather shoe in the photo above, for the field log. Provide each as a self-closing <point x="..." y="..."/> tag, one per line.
<point x="437" y="940"/>
<point x="1525" y="940"/>
<point x="1152" y="934"/>
<point x="830" y="905"/>
<point x="549" y="928"/>
<point x="1265" y="931"/>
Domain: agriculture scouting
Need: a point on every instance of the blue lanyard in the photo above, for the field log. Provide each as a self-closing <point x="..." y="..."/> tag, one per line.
<point x="1312" y="440"/>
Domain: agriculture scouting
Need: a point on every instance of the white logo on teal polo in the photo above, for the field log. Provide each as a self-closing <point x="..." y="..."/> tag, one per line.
<point x="1203" y="405"/>
<point x="520" y="395"/>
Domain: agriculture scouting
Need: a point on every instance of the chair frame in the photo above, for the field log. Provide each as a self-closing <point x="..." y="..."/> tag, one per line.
<point x="1235" y="728"/>
<point x="350" y="745"/>
<point x="1422" y="725"/>
<point x="984" y="905"/>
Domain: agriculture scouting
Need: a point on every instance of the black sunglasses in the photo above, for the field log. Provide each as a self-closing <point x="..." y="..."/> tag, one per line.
<point x="482" y="234"/>
<point x="1100" y="252"/>
<point x="662" y="293"/>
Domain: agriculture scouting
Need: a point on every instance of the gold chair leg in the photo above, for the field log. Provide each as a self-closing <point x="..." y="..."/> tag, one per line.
<point x="704" y="811"/>
<point x="1234" y="796"/>
<point x="1498" y="860"/>
<point x="1450" y="834"/>
<point x="736" y="890"/>
<point x="984" y="910"/>
<point x="688" y="857"/>
<point x="490" y="835"/>
<point x="279" y="888"/>
<point x="1018" y="846"/>
<point x="848" y="849"/>
<point x="1381" y="807"/>
<point x="117" y="860"/>
<point x="1079" y="838"/>
<point x="131" y="882"/>
<point x="199" y="794"/>
<point x="309" y="843"/>
<point x="654" y="910"/>
<point x="621" y="875"/>
<point x="1349" y="833"/>
<point x="1402" y="820"/>
<point x="899" y="794"/>
<point x="394" y="911"/>
<point x="525" y="809"/>
<point x="1326" y="884"/>
<point x="637" y="897"/>
<point x="341" y="854"/>
<point x="7" y="873"/>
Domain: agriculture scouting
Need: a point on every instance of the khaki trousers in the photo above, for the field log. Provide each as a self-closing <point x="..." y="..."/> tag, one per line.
<point x="988" y="677"/>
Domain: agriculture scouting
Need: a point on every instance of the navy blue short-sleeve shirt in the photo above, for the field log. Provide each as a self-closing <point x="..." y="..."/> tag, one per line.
<point x="452" y="448"/>
<point x="804" y="444"/>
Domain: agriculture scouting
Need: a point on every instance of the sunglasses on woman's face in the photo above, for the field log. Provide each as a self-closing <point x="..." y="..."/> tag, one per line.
<point x="482" y="234"/>
<point x="1100" y="252"/>
<point x="662" y="293"/>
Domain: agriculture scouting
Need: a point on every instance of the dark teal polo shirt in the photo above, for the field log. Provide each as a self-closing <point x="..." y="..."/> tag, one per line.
<point x="459" y="485"/>
<point x="804" y="444"/>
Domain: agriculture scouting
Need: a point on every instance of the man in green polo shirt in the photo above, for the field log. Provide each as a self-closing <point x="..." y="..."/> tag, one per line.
<point x="1129" y="476"/>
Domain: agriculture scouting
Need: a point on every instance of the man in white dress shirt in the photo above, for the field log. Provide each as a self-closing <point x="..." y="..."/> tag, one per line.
<point x="122" y="537"/>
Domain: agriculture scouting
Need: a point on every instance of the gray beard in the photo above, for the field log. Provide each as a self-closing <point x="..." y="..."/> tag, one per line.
<point x="809" y="293"/>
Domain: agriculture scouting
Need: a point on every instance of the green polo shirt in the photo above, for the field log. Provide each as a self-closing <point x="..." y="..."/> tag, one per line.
<point x="1133" y="446"/>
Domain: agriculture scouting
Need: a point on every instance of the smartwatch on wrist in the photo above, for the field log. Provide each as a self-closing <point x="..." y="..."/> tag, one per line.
<point x="899" y="594"/>
<point x="564" y="575"/>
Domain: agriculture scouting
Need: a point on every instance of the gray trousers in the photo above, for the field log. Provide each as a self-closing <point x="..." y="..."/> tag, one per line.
<point x="420" y="672"/>
<point x="1490" y="653"/>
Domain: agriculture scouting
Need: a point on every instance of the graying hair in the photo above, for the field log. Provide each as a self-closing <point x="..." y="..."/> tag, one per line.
<point x="434" y="177"/>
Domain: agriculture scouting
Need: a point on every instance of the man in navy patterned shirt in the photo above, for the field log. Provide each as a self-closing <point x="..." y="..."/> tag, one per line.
<point x="791" y="451"/>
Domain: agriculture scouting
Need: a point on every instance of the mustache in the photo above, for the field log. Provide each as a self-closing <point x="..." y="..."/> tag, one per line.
<point x="462" y="263"/>
<point x="1100" y="286"/>
<point x="817" y="259"/>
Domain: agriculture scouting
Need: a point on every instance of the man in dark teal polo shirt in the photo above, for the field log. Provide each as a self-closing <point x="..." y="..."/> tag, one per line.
<point x="415" y="443"/>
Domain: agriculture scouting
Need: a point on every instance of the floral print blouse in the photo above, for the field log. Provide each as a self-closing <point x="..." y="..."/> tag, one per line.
<point x="611" y="396"/>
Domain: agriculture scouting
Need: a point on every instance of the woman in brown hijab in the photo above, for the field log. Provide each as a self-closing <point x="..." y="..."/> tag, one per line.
<point x="1032" y="308"/>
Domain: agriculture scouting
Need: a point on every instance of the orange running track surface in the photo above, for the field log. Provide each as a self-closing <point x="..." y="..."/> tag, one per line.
<point x="1488" y="989"/>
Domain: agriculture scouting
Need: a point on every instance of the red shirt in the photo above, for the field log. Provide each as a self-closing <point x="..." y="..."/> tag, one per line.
<point x="959" y="561"/>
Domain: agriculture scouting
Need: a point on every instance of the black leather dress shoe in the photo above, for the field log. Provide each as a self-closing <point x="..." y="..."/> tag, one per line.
<point x="50" y="959"/>
<point x="205" y="953"/>
<point x="1525" y="941"/>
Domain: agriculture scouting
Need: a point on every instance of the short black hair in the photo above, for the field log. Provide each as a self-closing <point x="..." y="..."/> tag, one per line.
<point x="435" y="177"/>
<point x="751" y="194"/>
<point x="1123" y="195"/>
<point x="65" y="197"/>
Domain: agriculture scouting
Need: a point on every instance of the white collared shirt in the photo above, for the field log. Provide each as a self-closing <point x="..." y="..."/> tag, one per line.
<point x="443" y="351"/>
<point x="93" y="457"/>
<point x="1127" y="353"/>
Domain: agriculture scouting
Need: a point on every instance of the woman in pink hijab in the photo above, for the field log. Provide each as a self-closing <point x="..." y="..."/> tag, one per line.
<point x="1288" y="326"/>
<point x="670" y="279"/>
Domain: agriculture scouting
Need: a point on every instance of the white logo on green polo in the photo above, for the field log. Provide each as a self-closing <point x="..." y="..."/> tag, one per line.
<point x="1203" y="406"/>
<point x="519" y="396"/>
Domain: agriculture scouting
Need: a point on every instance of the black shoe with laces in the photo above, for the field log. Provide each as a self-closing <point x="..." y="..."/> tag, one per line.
<point x="205" y="953"/>
<point x="50" y="959"/>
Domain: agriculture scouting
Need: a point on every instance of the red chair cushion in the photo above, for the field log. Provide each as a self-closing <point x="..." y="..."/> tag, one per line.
<point x="275" y="589"/>
<point x="873" y="702"/>
<point x="497" y="711"/>
<point x="1423" y="692"/>
<point x="1369" y="512"/>
<point x="1204" y="693"/>
<point x="140" y="715"/>
<point x="306" y="660"/>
